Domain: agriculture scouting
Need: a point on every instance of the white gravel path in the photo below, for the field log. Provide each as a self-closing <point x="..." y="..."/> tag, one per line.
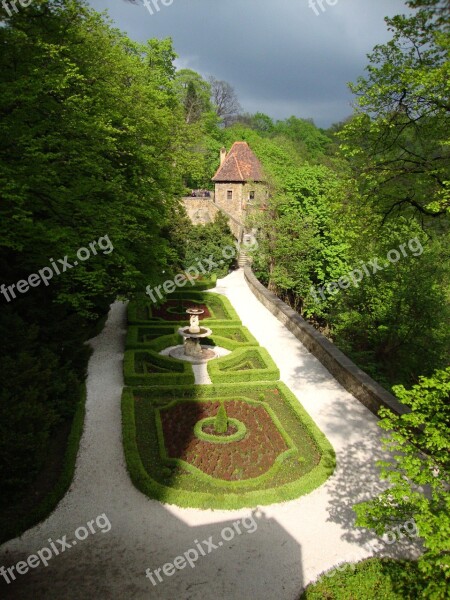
<point x="293" y="542"/>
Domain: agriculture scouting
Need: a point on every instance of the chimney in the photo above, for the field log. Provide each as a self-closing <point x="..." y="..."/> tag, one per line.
<point x="223" y="155"/>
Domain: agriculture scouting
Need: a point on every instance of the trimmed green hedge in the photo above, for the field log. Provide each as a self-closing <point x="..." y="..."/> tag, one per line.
<point x="51" y="501"/>
<point x="172" y="371"/>
<point x="206" y="283"/>
<point x="244" y="364"/>
<point x="218" y="439"/>
<point x="236" y="337"/>
<point x="294" y="419"/>
<point x="227" y="337"/>
<point x="254" y="482"/>
<point x="139" y="310"/>
<point x="142" y="337"/>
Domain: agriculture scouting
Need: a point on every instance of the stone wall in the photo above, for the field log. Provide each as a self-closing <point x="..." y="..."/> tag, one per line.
<point x="200" y="210"/>
<point x="204" y="210"/>
<point x="351" y="377"/>
<point x="234" y="206"/>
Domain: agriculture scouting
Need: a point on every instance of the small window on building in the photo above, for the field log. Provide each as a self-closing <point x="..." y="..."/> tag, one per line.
<point x="251" y="196"/>
<point x="230" y="195"/>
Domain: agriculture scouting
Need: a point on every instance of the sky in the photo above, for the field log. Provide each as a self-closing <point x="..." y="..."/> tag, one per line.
<point x="283" y="57"/>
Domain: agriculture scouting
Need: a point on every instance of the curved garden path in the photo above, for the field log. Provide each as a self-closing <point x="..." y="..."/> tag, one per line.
<point x="293" y="542"/>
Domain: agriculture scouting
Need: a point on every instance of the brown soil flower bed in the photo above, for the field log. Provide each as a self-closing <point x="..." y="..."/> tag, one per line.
<point x="162" y="312"/>
<point x="250" y="457"/>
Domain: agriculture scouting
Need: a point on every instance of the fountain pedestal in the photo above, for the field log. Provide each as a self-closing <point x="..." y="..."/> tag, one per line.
<point x="192" y="347"/>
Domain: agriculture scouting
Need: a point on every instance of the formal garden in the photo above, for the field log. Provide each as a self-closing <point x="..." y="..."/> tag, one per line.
<point x="242" y="441"/>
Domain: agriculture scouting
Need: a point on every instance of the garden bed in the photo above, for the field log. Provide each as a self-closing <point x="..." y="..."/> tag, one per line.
<point x="281" y="456"/>
<point x="245" y="364"/>
<point x="218" y="309"/>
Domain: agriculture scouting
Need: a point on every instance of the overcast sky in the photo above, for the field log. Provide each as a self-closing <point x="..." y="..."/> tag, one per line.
<point x="281" y="57"/>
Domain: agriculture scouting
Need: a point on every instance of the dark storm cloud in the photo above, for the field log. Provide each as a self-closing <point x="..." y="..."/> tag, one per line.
<point x="280" y="56"/>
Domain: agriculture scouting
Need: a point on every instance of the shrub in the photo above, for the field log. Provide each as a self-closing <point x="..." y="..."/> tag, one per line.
<point x="221" y="420"/>
<point x="167" y="371"/>
<point x="245" y="364"/>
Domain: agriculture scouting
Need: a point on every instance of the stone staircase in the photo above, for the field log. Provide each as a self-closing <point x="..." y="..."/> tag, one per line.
<point x="243" y="259"/>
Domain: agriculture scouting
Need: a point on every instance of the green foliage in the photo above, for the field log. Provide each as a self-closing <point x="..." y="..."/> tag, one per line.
<point x="307" y="138"/>
<point x="394" y="322"/>
<point x="91" y="136"/>
<point x="244" y="364"/>
<point x="15" y="527"/>
<point x="398" y="139"/>
<point x="392" y="580"/>
<point x="89" y="151"/>
<point x="151" y="368"/>
<point x="418" y="470"/>
<point x="221" y="420"/>
<point x="211" y="240"/>
<point x="38" y="390"/>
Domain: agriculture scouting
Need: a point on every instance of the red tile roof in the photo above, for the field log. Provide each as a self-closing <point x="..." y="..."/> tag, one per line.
<point x="239" y="165"/>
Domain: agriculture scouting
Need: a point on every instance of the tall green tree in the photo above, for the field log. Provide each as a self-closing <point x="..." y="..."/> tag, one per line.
<point x="398" y="139"/>
<point x="89" y="141"/>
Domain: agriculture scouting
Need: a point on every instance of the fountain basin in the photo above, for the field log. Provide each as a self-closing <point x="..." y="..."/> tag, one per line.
<point x="192" y="350"/>
<point x="202" y="333"/>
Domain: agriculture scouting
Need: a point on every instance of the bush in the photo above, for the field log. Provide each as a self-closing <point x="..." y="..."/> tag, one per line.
<point x="143" y="337"/>
<point x="221" y="420"/>
<point x="245" y="364"/>
<point x="390" y="579"/>
<point x="43" y="509"/>
<point x="167" y="371"/>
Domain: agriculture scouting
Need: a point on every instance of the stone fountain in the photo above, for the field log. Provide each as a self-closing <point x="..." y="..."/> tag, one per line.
<point x="192" y="350"/>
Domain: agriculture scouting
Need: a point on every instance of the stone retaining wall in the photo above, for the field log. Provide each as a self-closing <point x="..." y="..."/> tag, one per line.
<point x="351" y="377"/>
<point x="204" y="210"/>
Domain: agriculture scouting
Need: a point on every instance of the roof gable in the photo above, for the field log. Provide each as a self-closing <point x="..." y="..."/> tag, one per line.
<point x="240" y="164"/>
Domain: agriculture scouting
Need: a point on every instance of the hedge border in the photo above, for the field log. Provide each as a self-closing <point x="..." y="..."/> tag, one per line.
<point x="205" y="284"/>
<point x="269" y="373"/>
<point x="232" y="485"/>
<point x="250" y="340"/>
<point x="132" y="342"/>
<point x="211" y="298"/>
<point x="174" y="339"/>
<point x="183" y="374"/>
<point x="216" y="439"/>
<point x="232" y="501"/>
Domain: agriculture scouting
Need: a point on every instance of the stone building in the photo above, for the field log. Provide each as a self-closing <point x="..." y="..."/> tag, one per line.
<point x="239" y="185"/>
<point x="239" y="189"/>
